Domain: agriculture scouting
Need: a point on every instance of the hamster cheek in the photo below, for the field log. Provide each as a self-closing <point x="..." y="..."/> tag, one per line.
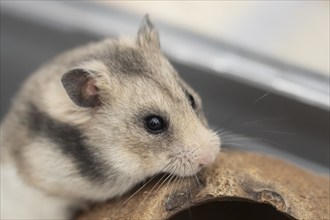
<point x="129" y="164"/>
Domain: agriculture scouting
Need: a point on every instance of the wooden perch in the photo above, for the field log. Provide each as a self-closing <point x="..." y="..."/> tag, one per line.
<point x="239" y="185"/>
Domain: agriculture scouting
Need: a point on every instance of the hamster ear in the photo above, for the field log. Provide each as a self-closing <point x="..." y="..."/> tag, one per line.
<point x="80" y="85"/>
<point x="147" y="34"/>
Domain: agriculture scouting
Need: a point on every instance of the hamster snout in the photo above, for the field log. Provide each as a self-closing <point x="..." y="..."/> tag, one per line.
<point x="191" y="158"/>
<point x="206" y="159"/>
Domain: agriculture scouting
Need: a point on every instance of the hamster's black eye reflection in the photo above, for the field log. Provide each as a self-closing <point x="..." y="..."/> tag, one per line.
<point x="155" y="124"/>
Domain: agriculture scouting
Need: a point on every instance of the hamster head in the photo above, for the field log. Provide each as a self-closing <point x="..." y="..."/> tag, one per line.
<point x="143" y="118"/>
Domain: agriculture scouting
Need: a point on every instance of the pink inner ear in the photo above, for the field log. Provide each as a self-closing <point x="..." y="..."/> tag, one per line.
<point x="91" y="89"/>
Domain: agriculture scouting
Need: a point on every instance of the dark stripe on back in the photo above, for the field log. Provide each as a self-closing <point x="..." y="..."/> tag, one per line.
<point x="70" y="141"/>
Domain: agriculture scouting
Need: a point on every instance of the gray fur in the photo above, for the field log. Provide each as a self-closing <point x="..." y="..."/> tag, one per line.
<point x="77" y="147"/>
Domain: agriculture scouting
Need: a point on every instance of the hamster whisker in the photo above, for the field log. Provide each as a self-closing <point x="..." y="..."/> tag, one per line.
<point x="168" y="182"/>
<point x="158" y="183"/>
<point x="189" y="189"/>
<point x="248" y="143"/>
<point x="196" y="150"/>
<point x="170" y="177"/>
<point x="152" y="189"/>
<point x="267" y="141"/>
<point x="190" y="197"/>
<point x="175" y="184"/>
<point x="152" y="178"/>
<point x="235" y="138"/>
<point x="224" y="133"/>
<point x="237" y="114"/>
<point x="264" y="119"/>
<point x="196" y="181"/>
<point x="275" y="132"/>
<point x="171" y="174"/>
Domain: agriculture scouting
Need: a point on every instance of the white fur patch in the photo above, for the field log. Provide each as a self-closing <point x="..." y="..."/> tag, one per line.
<point x="20" y="201"/>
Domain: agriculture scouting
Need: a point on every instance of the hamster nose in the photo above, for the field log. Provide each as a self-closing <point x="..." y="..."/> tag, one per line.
<point x="205" y="159"/>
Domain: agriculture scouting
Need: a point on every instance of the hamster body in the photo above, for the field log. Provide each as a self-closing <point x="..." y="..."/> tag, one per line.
<point x="95" y="121"/>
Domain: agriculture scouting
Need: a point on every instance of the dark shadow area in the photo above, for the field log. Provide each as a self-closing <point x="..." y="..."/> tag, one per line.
<point x="231" y="210"/>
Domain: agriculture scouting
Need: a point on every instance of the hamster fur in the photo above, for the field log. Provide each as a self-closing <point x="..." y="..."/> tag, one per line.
<point x="77" y="130"/>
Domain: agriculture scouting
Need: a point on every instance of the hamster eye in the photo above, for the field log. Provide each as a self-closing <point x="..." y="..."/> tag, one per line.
<point x="191" y="100"/>
<point x="155" y="124"/>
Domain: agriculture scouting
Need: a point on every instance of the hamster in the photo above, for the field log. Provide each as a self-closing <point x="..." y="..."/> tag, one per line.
<point x="94" y="122"/>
